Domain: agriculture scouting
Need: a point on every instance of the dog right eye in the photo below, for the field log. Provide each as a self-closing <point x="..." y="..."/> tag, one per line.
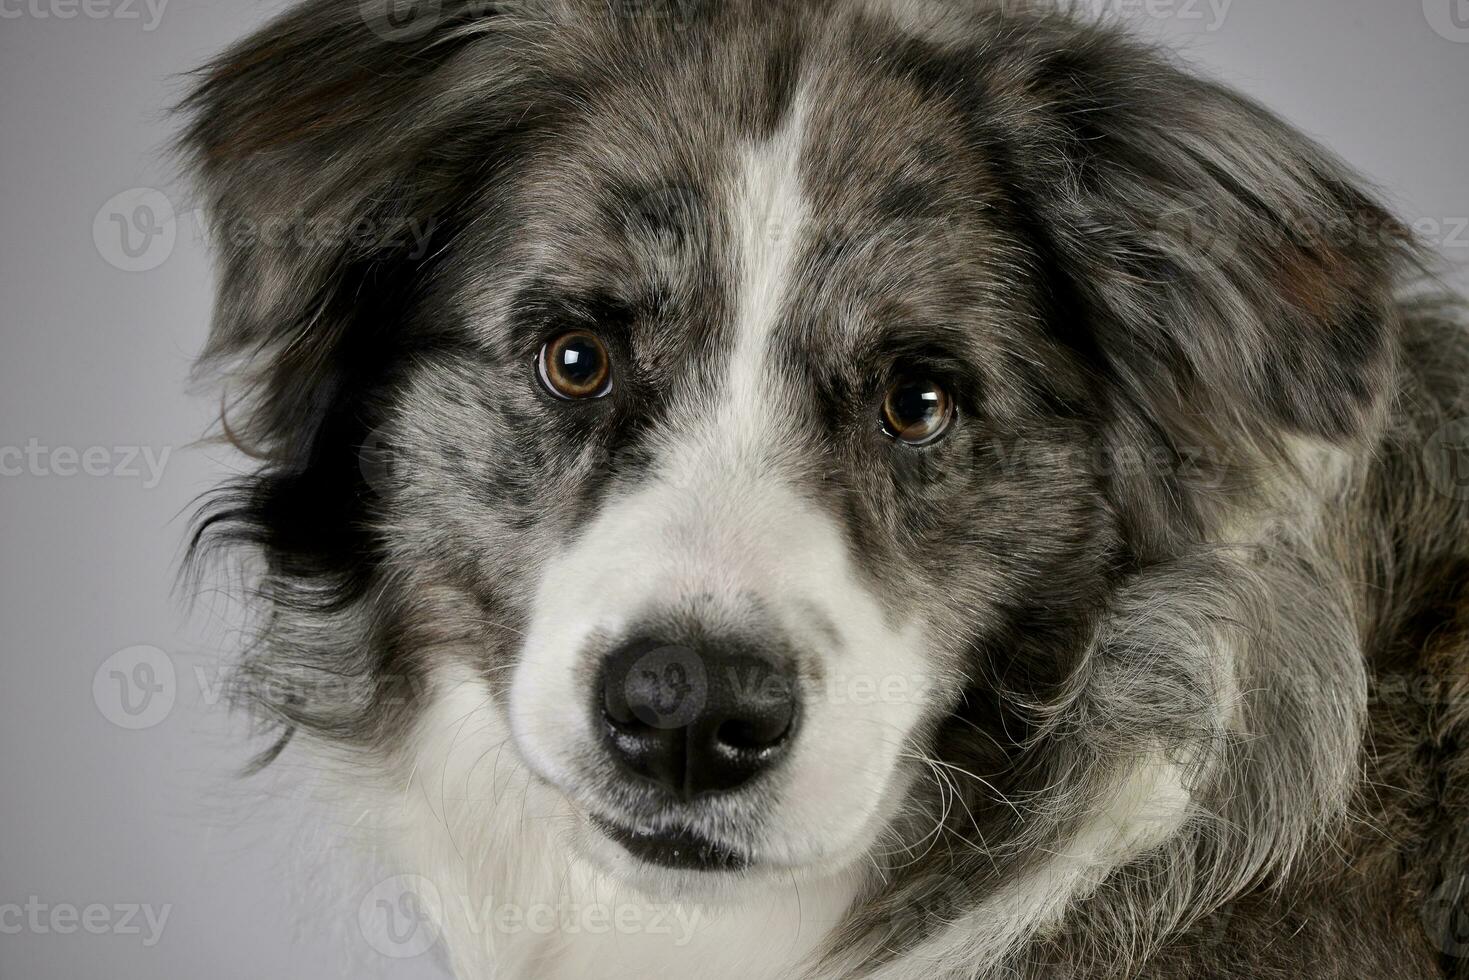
<point x="917" y="411"/>
<point x="575" y="365"/>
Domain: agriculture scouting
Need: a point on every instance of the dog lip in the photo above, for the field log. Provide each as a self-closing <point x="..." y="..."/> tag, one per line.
<point x="677" y="848"/>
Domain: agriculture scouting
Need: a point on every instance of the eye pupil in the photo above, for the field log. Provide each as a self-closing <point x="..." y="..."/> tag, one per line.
<point x="576" y="365"/>
<point x="577" y="362"/>
<point x="915" y="405"/>
<point x="917" y="411"/>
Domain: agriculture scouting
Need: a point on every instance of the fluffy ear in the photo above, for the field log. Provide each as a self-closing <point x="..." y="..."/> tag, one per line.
<point x="331" y="148"/>
<point x="1232" y="273"/>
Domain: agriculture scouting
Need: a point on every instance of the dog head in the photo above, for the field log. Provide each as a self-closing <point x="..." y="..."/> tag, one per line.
<point x="821" y="428"/>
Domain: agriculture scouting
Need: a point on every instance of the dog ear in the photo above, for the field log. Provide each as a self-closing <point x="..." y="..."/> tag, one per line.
<point x="332" y="148"/>
<point x="1233" y="274"/>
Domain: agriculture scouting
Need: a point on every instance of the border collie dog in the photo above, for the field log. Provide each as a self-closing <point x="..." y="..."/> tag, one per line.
<point x="840" y="489"/>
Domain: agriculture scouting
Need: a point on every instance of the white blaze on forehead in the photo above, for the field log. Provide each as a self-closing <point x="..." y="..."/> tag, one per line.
<point x="768" y="211"/>
<point x="719" y="528"/>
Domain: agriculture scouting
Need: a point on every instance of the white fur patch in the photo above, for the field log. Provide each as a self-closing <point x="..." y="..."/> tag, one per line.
<point x="481" y="846"/>
<point x="770" y="212"/>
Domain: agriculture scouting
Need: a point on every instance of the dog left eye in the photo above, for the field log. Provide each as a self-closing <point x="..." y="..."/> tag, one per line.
<point x="917" y="411"/>
<point x="576" y="365"/>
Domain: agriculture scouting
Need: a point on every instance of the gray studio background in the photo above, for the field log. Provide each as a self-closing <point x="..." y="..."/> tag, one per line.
<point x="115" y="755"/>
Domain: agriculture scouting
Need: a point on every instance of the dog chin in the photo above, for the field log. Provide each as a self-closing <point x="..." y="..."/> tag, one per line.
<point x="659" y="881"/>
<point x="677" y="863"/>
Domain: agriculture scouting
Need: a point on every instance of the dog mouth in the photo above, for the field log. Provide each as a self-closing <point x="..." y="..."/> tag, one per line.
<point x="677" y="848"/>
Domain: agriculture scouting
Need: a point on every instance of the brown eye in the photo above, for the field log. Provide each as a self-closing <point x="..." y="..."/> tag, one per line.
<point x="576" y="365"/>
<point x="917" y="411"/>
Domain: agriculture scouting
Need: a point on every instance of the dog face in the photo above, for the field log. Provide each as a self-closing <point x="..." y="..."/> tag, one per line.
<point x="733" y="511"/>
<point x="755" y="577"/>
<point x="784" y="414"/>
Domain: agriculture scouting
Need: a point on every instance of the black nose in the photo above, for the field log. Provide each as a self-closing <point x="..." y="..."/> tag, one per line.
<point x="696" y="719"/>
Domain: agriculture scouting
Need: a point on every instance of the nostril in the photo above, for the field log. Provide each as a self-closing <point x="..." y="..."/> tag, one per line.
<point x="750" y="735"/>
<point x="626" y="726"/>
<point x="617" y="710"/>
<point x="758" y="708"/>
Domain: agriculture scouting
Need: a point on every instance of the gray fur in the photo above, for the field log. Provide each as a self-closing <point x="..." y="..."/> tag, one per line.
<point x="1116" y="260"/>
